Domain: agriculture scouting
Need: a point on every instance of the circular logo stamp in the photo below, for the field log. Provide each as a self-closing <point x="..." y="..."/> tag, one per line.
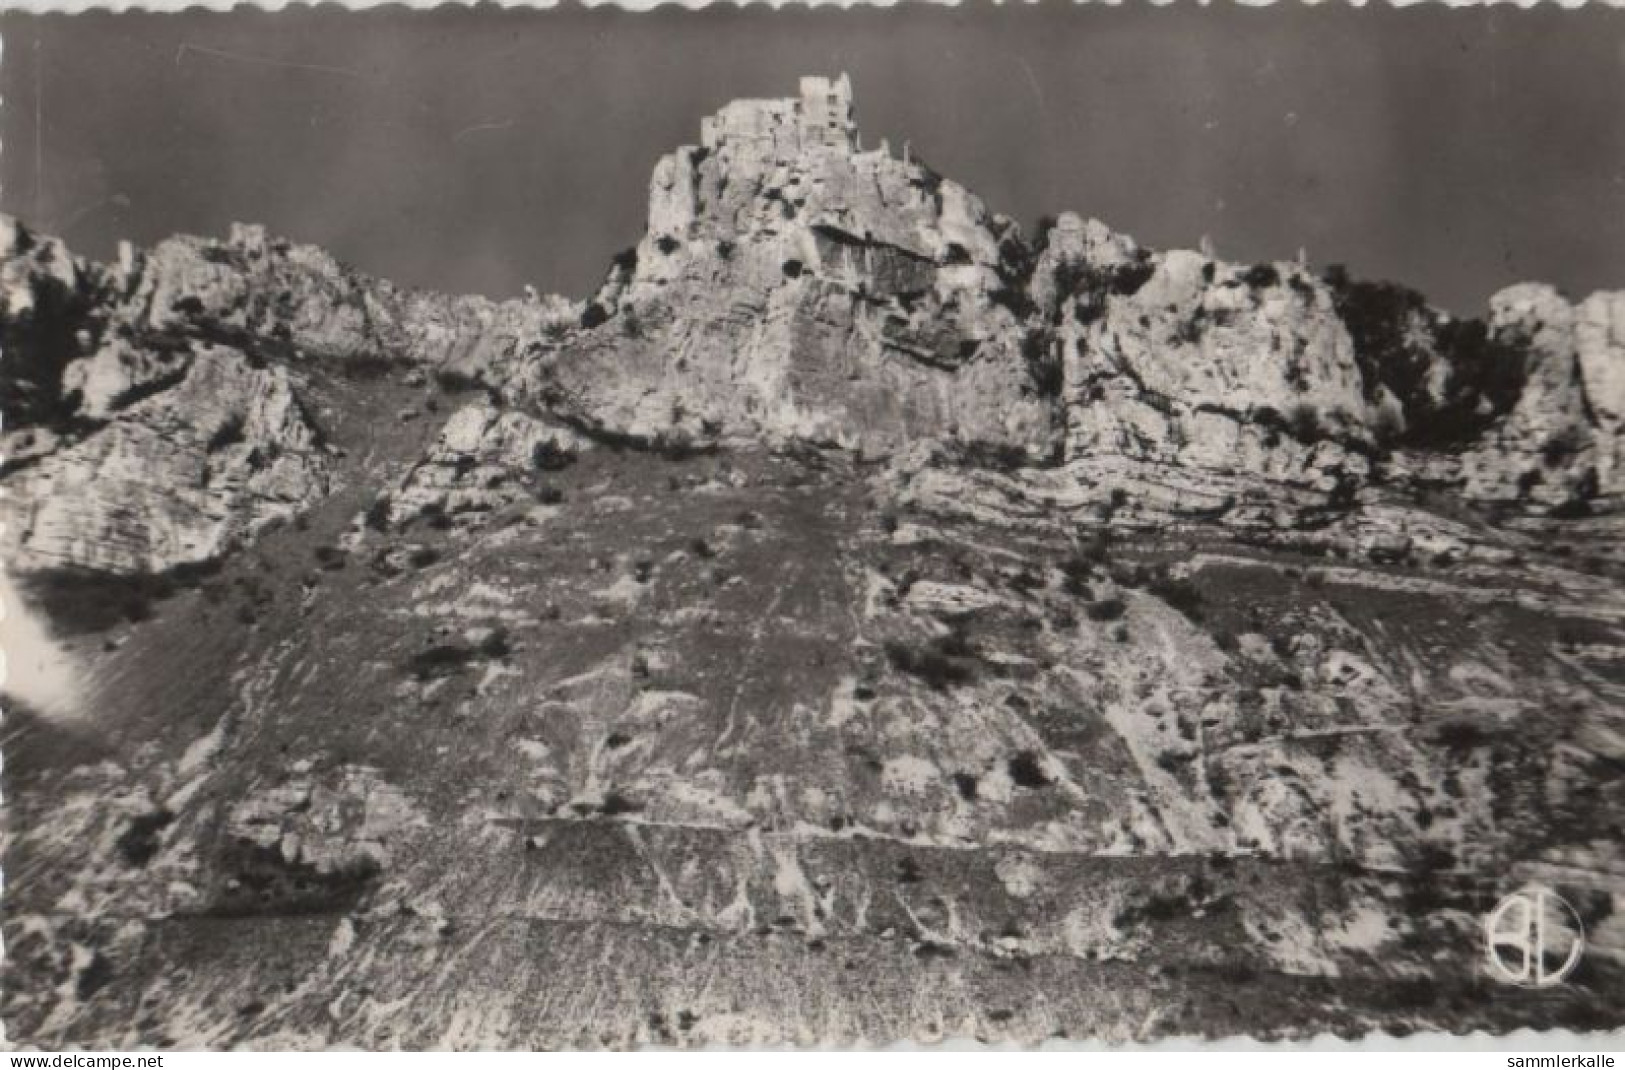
<point x="1533" y="937"/>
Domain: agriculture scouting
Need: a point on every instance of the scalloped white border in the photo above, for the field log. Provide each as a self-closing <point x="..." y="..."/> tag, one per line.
<point x="1562" y="1040"/>
<point x="74" y="7"/>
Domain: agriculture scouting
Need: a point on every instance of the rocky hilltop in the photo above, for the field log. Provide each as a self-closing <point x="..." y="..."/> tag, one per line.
<point x="857" y="620"/>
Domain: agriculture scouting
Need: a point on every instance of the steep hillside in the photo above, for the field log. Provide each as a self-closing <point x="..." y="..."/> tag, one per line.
<point x="856" y="621"/>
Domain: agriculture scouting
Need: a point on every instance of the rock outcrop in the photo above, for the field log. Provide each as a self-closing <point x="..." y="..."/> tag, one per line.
<point x="154" y="407"/>
<point x="176" y="478"/>
<point x="1560" y="445"/>
<point x="793" y="285"/>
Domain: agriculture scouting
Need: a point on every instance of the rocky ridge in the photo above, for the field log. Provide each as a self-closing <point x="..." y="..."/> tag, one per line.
<point x="795" y="286"/>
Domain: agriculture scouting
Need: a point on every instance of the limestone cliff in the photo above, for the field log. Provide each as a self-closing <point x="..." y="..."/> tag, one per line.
<point x="793" y="285"/>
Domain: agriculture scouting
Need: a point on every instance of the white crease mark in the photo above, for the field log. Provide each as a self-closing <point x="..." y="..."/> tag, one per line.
<point x="265" y="61"/>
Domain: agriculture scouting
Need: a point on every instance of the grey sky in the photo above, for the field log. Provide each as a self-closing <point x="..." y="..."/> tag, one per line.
<point x="1457" y="151"/>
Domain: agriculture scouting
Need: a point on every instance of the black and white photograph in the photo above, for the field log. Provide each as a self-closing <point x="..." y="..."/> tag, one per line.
<point x="1014" y="525"/>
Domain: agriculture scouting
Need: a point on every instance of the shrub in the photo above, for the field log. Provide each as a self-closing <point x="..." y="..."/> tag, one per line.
<point x="1388" y="427"/>
<point x="1078" y="570"/>
<point x="549" y="495"/>
<point x="1172" y="762"/>
<point x="1484" y="368"/>
<point x="1014" y="298"/>
<point x="1027" y="581"/>
<point x="1379" y="316"/>
<point x="944" y="663"/>
<point x="495" y="647"/>
<point x="229" y="433"/>
<point x="549" y="456"/>
<point x="667" y="244"/>
<point x="1105" y="609"/>
<point x="377" y="515"/>
<point x="139" y="842"/>
<point x="1045" y="368"/>
<point x="1397" y="339"/>
<point x="1027" y="771"/>
<point x="1180" y="593"/>
<point x="1128" y="279"/>
<point x="631" y="323"/>
<point x="1003" y="456"/>
<point x="593" y="315"/>
<point x="446" y="659"/>
<point x="1261" y="276"/>
<point x="94" y="976"/>
<point x="452" y="381"/>
<point x="616" y="804"/>
<point x="965" y="784"/>
<point x="1303" y="423"/>
<point x="434" y="513"/>
<point x="138" y="392"/>
<point x="1460" y="736"/>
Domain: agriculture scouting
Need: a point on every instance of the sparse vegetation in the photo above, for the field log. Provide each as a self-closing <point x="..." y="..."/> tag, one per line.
<point x="229" y="433"/>
<point x="376" y="517"/>
<point x="1027" y="771"/>
<point x="1303" y="423"/>
<point x="1000" y="456"/>
<point x="1180" y="593"/>
<point x="1079" y="569"/>
<point x="1397" y="341"/>
<point x="1105" y="609"/>
<point x="548" y="456"/>
<point x="86" y="601"/>
<point x="1261" y="276"/>
<point x="945" y="662"/>
<point x="617" y="804"/>
<point x="454" y="381"/>
<point x="138" y="843"/>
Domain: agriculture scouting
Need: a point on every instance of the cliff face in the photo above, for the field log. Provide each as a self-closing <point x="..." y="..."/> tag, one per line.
<point x="794" y="286"/>
<point x="856" y="621"/>
<point x="159" y="408"/>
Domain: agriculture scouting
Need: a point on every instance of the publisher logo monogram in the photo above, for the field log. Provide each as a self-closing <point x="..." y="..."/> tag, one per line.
<point x="1534" y="938"/>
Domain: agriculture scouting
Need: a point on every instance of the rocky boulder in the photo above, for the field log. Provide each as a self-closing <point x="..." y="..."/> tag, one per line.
<point x="176" y="478"/>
